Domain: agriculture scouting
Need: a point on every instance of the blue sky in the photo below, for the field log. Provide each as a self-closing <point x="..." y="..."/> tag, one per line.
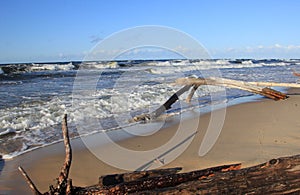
<point x="56" y="30"/>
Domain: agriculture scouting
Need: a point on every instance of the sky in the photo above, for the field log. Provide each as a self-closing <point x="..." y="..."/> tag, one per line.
<point x="64" y="30"/>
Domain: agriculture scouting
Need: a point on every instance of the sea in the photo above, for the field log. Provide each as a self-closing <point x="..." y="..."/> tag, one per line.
<point x="35" y="96"/>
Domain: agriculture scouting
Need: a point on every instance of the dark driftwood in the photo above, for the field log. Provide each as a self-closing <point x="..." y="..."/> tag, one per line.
<point x="115" y="179"/>
<point x="159" y="182"/>
<point x="278" y="176"/>
<point x="166" y="106"/>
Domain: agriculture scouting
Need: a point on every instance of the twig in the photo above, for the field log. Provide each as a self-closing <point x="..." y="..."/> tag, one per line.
<point x="29" y="181"/>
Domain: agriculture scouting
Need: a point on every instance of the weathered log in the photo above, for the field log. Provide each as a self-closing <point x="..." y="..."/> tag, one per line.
<point x="115" y="179"/>
<point x="231" y="82"/>
<point x="253" y="87"/>
<point x="278" y="176"/>
<point x="158" y="182"/>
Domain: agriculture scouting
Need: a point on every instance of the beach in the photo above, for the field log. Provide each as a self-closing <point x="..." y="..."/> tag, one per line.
<point x="252" y="133"/>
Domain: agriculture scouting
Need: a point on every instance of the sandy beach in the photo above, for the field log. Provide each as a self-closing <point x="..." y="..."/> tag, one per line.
<point x="252" y="133"/>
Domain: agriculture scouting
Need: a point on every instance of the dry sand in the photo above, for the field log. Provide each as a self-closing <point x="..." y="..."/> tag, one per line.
<point x="252" y="133"/>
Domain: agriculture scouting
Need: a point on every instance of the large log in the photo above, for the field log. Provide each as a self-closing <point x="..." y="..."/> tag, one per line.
<point x="158" y="182"/>
<point x="231" y="83"/>
<point x="253" y="87"/>
<point x="278" y="176"/>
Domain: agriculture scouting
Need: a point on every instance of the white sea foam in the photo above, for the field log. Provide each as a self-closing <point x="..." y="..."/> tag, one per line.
<point x="1" y="71"/>
<point x="52" y="67"/>
<point x="7" y="131"/>
<point x="99" y="65"/>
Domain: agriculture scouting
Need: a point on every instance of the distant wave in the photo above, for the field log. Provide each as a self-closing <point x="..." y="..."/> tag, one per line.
<point x="8" y="69"/>
<point x="36" y="67"/>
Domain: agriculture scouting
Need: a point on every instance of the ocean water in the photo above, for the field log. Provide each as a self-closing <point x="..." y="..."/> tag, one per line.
<point x="34" y="96"/>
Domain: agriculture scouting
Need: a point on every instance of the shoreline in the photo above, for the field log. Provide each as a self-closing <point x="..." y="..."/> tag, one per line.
<point x="267" y="139"/>
<point x="171" y="121"/>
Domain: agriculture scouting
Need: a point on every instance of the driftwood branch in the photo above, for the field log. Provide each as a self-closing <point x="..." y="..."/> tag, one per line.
<point x="296" y="73"/>
<point x="64" y="173"/>
<point x="166" y="106"/>
<point x="261" y="88"/>
<point x="64" y="184"/>
<point x="29" y="182"/>
<point x="231" y="83"/>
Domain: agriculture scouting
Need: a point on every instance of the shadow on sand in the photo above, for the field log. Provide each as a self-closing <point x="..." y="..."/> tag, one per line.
<point x="2" y="163"/>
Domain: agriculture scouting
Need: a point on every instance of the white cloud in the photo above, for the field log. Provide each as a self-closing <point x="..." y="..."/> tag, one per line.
<point x="260" y="51"/>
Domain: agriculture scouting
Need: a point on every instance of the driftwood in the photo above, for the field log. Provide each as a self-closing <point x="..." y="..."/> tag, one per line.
<point x="261" y="88"/>
<point x="163" y="181"/>
<point x="253" y="87"/>
<point x="278" y="176"/>
<point x="115" y="179"/>
<point x="296" y="73"/>
<point x="64" y="184"/>
<point x="29" y="182"/>
<point x="162" y="108"/>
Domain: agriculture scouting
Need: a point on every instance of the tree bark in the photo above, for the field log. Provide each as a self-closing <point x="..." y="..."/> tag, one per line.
<point x="278" y="176"/>
<point x="115" y="179"/>
<point x="163" y="181"/>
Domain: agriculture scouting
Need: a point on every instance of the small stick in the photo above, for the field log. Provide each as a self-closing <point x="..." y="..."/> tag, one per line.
<point x="29" y="181"/>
